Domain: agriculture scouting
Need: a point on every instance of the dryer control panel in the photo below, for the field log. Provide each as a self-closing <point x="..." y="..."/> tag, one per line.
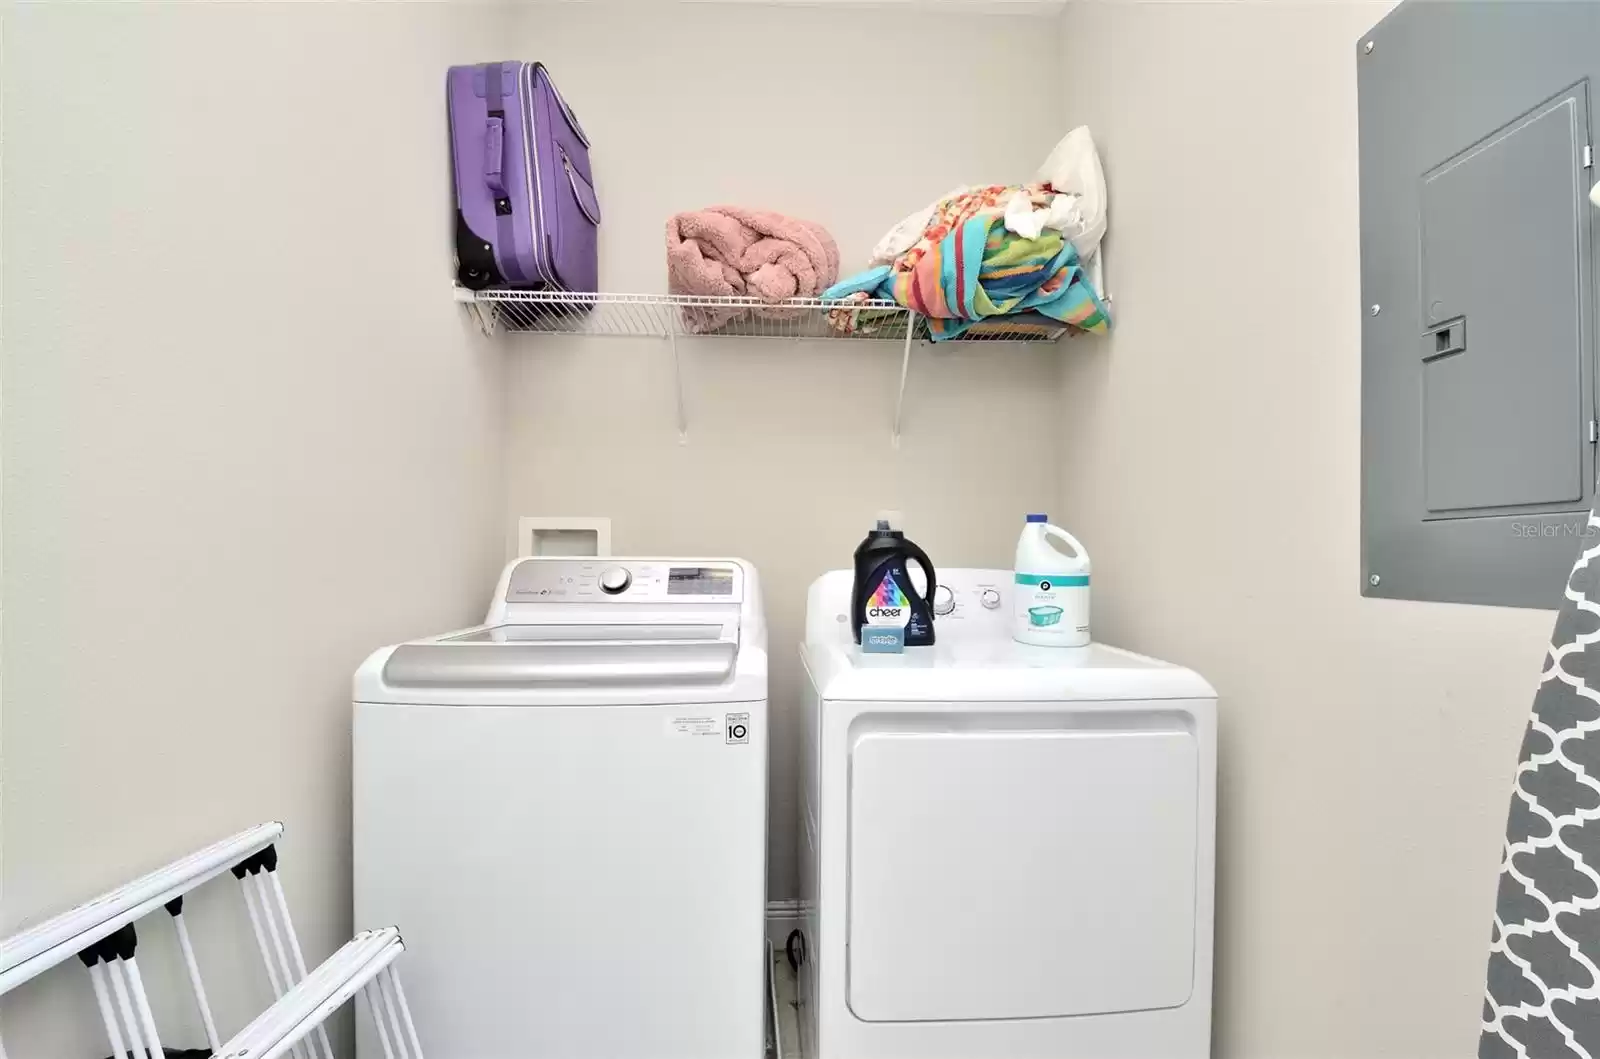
<point x="562" y="580"/>
<point x="972" y="604"/>
<point x="968" y="604"/>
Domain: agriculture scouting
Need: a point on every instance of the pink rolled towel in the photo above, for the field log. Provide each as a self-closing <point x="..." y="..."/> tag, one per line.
<point x="729" y="250"/>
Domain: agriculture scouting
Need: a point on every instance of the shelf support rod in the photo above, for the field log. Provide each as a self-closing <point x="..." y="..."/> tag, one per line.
<point x="677" y="381"/>
<point x="482" y="311"/>
<point x="905" y="367"/>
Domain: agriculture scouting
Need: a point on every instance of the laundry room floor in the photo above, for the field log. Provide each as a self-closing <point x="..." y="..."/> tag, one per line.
<point x="788" y="1013"/>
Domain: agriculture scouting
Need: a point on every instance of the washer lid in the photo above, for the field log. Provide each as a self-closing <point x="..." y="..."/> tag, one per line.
<point x="997" y="670"/>
<point x="546" y="656"/>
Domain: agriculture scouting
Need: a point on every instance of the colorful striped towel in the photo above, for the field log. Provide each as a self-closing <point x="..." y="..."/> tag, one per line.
<point x="980" y="270"/>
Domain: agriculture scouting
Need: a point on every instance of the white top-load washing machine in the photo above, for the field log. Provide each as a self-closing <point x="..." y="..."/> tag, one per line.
<point x="1006" y="851"/>
<point x="564" y="809"/>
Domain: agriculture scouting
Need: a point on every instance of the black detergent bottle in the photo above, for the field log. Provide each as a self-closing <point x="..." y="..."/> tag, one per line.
<point x="883" y="594"/>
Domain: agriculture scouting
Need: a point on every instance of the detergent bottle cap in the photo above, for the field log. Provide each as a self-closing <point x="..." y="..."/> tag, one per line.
<point x="1038" y="518"/>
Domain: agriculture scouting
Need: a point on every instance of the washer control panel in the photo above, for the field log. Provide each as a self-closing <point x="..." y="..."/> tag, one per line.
<point x="540" y="580"/>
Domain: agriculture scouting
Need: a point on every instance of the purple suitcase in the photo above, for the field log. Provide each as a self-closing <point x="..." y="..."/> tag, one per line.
<point x="526" y="211"/>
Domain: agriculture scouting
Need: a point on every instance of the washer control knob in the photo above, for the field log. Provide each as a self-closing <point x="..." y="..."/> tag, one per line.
<point x="944" y="600"/>
<point x="990" y="599"/>
<point x="614" y="579"/>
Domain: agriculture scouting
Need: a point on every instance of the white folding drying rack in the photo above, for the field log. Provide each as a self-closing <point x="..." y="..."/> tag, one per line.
<point x="101" y="934"/>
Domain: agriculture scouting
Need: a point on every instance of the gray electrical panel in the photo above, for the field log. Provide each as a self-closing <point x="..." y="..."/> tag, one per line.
<point x="1478" y="288"/>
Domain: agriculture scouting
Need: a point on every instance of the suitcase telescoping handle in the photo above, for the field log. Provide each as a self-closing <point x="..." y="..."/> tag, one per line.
<point x="494" y="153"/>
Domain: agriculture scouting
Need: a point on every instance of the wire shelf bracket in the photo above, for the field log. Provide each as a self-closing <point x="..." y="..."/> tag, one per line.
<point x="677" y="387"/>
<point x="900" y="394"/>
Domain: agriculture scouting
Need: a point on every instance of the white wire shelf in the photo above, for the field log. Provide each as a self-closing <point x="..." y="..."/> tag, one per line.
<point x="669" y="317"/>
<point x="666" y="316"/>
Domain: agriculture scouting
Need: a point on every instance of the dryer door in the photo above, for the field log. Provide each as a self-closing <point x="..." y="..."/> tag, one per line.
<point x="1024" y="866"/>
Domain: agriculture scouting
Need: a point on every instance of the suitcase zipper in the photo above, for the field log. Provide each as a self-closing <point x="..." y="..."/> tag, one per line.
<point x="530" y="143"/>
<point x="566" y="111"/>
<point x="572" y="182"/>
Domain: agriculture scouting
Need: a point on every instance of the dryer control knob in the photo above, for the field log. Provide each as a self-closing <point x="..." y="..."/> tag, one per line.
<point x="614" y="580"/>
<point x="944" y="600"/>
<point x="990" y="599"/>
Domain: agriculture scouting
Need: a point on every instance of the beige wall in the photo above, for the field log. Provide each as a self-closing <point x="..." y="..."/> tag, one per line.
<point x="247" y="438"/>
<point x="229" y="472"/>
<point x="789" y="456"/>
<point x="1211" y="465"/>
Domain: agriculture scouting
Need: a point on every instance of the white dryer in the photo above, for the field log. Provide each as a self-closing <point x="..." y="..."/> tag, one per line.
<point x="565" y="811"/>
<point x="1005" y="851"/>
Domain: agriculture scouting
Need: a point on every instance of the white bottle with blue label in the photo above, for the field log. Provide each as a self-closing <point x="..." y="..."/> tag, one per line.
<point x="1052" y="587"/>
